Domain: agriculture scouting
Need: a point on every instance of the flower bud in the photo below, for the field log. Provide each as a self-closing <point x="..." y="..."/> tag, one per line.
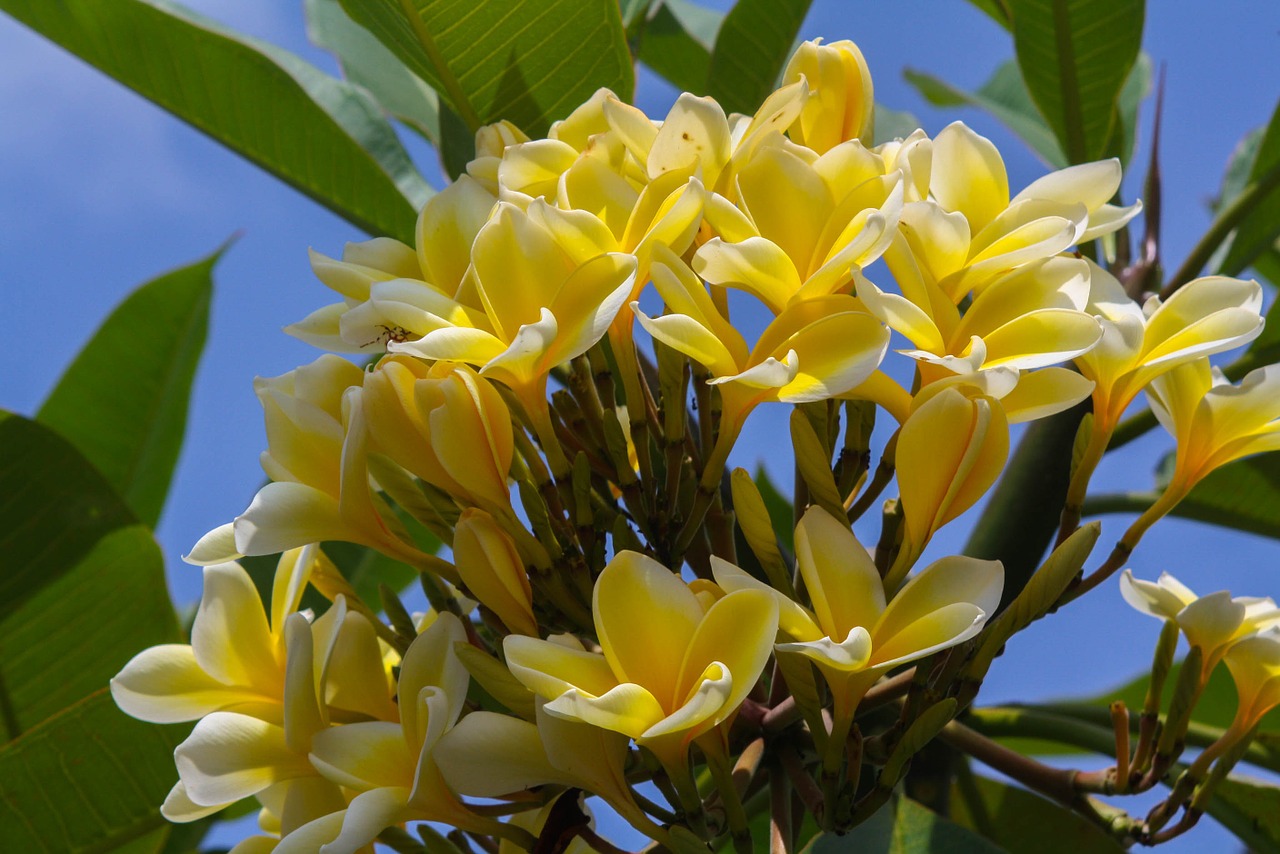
<point x="491" y="569"/>
<point x="841" y="104"/>
<point x="445" y="424"/>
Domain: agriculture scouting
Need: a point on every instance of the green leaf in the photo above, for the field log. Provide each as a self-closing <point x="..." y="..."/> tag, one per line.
<point x="1018" y="820"/>
<point x="1075" y="56"/>
<point x="1005" y="97"/>
<point x="320" y="135"/>
<point x="1259" y="231"/>
<point x="1137" y="86"/>
<point x="1250" y="809"/>
<point x="673" y="43"/>
<point x="997" y="10"/>
<point x="527" y="61"/>
<point x="123" y="402"/>
<point x="903" y="826"/>
<point x="893" y="124"/>
<point x="365" y="62"/>
<point x="90" y="779"/>
<point x="82" y="592"/>
<point x="751" y="49"/>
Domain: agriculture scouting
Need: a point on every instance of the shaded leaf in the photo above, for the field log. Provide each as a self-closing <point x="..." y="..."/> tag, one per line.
<point x="675" y="43"/>
<point x="780" y="510"/>
<point x="123" y="402"/>
<point x="88" y="779"/>
<point x="365" y="62"/>
<point x="1018" y="820"/>
<point x="1261" y="228"/>
<point x="903" y="826"/>
<point x="319" y="135"/>
<point x="751" y="49"/>
<point x="1005" y="97"/>
<point x="1137" y="86"/>
<point x="527" y="61"/>
<point x="997" y="10"/>
<point x="1250" y="809"/>
<point x="1075" y="56"/>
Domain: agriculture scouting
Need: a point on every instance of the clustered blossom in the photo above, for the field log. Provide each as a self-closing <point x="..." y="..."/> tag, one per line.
<point x="572" y="514"/>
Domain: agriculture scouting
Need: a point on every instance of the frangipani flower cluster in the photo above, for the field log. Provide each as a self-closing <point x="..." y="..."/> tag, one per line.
<point x="598" y="620"/>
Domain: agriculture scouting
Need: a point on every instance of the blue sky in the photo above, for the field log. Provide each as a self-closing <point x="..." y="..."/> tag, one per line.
<point x="100" y="190"/>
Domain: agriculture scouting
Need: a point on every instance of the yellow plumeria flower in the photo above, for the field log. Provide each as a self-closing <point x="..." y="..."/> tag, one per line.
<point x="1254" y="663"/>
<point x="1138" y="344"/>
<point x="1212" y="623"/>
<point x="316" y="457"/>
<point x="1214" y="421"/>
<point x="841" y="103"/>
<point x="950" y="451"/>
<point x="671" y="667"/>
<point x="549" y="296"/>
<point x="802" y="224"/>
<point x="814" y="350"/>
<point x="444" y="424"/>
<point x="389" y="762"/>
<point x="970" y="231"/>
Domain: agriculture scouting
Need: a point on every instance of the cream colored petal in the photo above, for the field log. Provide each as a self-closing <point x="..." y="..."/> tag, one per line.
<point x="355" y="680"/>
<point x="488" y="755"/>
<point x="164" y="684"/>
<point x="949" y="625"/>
<point x="1042" y="393"/>
<point x="1042" y="338"/>
<point x="550" y="669"/>
<point x="787" y="200"/>
<point x="363" y="756"/>
<point x="491" y="568"/>
<point x="229" y="756"/>
<point x="1198" y="300"/>
<point x="255" y="845"/>
<point x="180" y="809"/>
<point x="526" y="358"/>
<point x="431" y="661"/>
<point x="627" y="708"/>
<point x="629" y="592"/>
<point x="310" y="837"/>
<point x="519" y="267"/>
<point x="283" y="516"/>
<point x="793" y="618"/>
<point x="1091" y="184"/>
<point x="1058" y="282"/>
<point x="968" y="175"/>
<point x="323" y="328"/>
<point x="847" y="656"/>
<point x="938" y="239"/>
<point x="834" y="355"/>
<point x="230" y="637"/>
<point x="368" y="815"/>
<point x="589" y="302"/>
<point x="447" y="227"/>
<point x="738" y="632"/>
<point x="684" y="293"/>
<point x="726" y="220"/>
<point x="695" y="131"/>
<point x="951" y="580"/>
<point x="302" y="714"/>
<point x="901" y="315"/>
<point x="1160" y="600"/>
<point x="756" y="265"/>
<point x="1211" y="621"/>
<point x="1108" y="219"/>
<point x="632" y="125"/>
<point x="217" y="546"/>
<point x="293" y="571"/>
<point x="535" y="167"/>
<point x="770" y="373"/>
<point x="686" y="335"/>
<point x="839" y="575"/>
<point x="581" y="235"/>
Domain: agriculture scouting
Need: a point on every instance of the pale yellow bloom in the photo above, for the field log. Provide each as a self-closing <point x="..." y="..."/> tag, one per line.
<point x="670" y="670"/>
<point x="1212" y="623"/>
<point x="804" y="224"/>
<point x="816" y="349"/>
<point x="841" y="103"/>
<point x="950" y="451"/>
<point x="1214" y="421"/>
<point x="444" y="424"/>
<point x="389" y="762"/>
<point x="1254" y="663"/>
<point x="490" y="567"/>
<point x="854" y="633"/>
<point x="317" y="459"/>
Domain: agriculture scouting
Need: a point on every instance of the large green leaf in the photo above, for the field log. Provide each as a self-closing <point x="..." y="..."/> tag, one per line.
<point x="781" y="512"/>
<point x="90" y="779"/>
<point x="316" y="133"/>
<point x="1258" y="233"/>
<point x="1075" y="56"/>
<point x="1018" y="820"/>
<point x="123" y="401"/>
<point x="903" y="826"/>
<point x="81" y="591"/>
<point x="753" y="45"/>
<point x="676" y="42"/>
<point x="527" y="61"/>
<point x="367" y="63"/>
<point x="1251" y="810"/>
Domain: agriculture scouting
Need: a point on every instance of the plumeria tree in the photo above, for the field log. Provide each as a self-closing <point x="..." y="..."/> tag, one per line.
<point x="535" y="382"/>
